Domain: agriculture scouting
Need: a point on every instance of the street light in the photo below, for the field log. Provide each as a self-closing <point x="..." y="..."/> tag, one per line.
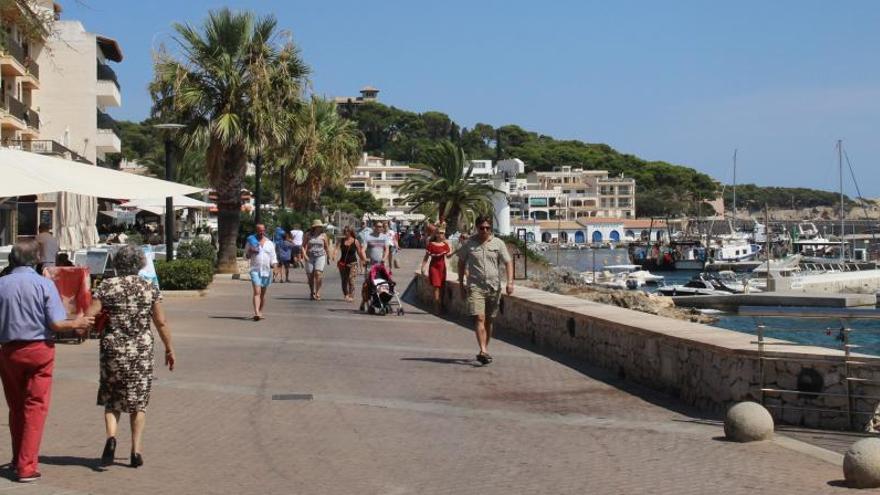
<point x="169" y="176"/>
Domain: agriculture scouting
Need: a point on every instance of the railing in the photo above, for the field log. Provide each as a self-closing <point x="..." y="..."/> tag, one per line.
<point x="106" y="73"/>
<point x="21" y="111"/>
<point x="107" y="122"/>
<point x="32" y="67"/>
<point x="18" y="52"/>
<point x="857" y="372"/>
<point x="14" y="48"/>
<point x="45" y="147"/>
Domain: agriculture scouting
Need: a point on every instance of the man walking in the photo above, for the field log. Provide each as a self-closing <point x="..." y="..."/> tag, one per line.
<point x="48" y="245"/>
<point x="30" y="311"/>
<point x="376" y="245"/>
<point x="261" y="252"/>
<point x="482" y="258"/>
<point x="297" y="256"/>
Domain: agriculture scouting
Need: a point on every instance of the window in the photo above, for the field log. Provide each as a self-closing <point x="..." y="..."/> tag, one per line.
<point x="27" y="219"/>
<point x="623" y="190"/>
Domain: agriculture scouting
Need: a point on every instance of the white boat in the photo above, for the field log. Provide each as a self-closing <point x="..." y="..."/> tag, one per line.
<point x="635" y="275"/>
<point x="737" y="251"/>
<point x="697" y="286"/>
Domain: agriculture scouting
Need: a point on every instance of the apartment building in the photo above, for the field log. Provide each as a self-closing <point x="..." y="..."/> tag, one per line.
<point x="381" y="177"/>
<point x="56" y="87"/>
<point x="571" y="193"/>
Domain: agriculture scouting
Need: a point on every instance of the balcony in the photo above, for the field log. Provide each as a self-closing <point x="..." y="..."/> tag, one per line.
<point x="107" y="122"/>
<point x="15" y="61"/>
<point x="18" y="116"/>
<point x="45" y="147"/>
<point x="108" y="142"/>
<point x="108" y="87"/>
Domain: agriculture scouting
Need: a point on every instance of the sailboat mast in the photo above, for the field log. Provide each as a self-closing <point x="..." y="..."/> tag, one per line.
<point x="734" y="189"/>
<point x="842" y="213"/>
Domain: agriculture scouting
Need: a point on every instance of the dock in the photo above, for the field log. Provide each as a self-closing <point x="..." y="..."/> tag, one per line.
<point x="789" y="299"/>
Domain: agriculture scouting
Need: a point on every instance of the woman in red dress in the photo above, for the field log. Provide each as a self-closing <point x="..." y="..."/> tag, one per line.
<point x="436" y="251"/>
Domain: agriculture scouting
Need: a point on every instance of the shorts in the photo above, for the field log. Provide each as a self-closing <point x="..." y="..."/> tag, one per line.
<point x="259" y="280"/>
<point x="316" y="264"/>
<point x="285" y="263"/>
<point x="483" y="302"/>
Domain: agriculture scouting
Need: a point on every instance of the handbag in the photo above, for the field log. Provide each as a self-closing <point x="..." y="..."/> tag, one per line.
<point x="341" y="264"/>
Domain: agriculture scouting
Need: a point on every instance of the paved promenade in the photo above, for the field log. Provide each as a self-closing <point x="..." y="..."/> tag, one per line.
<point x="319" y="399"/>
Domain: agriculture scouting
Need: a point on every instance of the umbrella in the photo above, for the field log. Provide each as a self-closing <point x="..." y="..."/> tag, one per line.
<point x="27" y="173"/>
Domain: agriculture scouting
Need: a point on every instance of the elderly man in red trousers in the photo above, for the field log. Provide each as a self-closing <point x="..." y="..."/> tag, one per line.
<point x="30" y="311"/>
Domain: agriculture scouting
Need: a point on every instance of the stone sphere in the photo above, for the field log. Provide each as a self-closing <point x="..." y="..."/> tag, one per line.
<point x="748" y="422"/>
<point x="861" y="464"/>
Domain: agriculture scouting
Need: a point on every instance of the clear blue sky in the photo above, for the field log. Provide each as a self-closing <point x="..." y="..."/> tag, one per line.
<point x="681" y="81"/>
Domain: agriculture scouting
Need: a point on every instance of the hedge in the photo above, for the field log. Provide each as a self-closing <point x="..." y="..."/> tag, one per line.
<point x="197" y="249"/>
<point x="186" y="274"/>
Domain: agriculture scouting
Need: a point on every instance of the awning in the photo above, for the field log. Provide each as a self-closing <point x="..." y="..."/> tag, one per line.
<point x="179" y="202"/>
<point x="23" y="173"/>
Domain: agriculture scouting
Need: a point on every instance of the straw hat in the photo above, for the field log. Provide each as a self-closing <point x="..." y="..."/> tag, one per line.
<point x="317" y="223"/>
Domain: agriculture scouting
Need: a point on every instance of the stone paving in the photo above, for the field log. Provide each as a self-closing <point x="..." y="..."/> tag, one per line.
<point x="319" y="399"/>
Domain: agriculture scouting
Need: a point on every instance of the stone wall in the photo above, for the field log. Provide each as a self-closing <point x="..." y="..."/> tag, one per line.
<point x="707" y="367"/>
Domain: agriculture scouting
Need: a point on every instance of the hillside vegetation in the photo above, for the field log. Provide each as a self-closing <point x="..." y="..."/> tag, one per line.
<point x="663" y="189"/>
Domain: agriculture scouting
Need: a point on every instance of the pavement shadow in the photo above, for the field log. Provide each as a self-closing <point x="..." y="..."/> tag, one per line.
<point x="66" y="460"/>
<point x="609" y="377"/>
<point x="223" y="317"/>
<point x="839" y="484"/>
<point x="461" y="362"/>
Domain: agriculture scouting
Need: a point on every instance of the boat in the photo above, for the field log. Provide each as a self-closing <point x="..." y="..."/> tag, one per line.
<point x="623" y="277"/>
<point x="700" y="285"/>
<point x="736" y="251"/>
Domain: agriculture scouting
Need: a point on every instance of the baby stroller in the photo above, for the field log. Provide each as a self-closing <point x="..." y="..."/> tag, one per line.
<point x="382" y="296"/>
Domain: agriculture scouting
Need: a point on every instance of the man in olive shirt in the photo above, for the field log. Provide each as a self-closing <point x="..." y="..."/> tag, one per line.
<point x="483" y="258"/>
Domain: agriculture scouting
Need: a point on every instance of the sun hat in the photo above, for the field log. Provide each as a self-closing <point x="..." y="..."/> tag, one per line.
<point x="317" y="223"/>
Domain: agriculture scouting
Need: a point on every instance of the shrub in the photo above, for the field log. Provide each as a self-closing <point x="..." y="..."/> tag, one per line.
<point x="184" y="274"/>
<point x="197" y="249"/>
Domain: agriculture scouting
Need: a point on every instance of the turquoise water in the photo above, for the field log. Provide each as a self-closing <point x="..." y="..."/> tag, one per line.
<point x="814" y="331"/>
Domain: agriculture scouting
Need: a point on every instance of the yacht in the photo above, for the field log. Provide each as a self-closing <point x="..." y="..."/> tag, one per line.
<point x="700" y="285"/>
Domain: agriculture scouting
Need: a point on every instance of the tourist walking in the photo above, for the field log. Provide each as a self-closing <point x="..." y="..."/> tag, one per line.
<point x="316" y="250"/>
<point x="376" y="246"/>
<point x="297" y="256"/>
<point x="285" y="257"/>
<point x="434" y="265"/>
<point x="129" y="303"/>
<point x="278" y="239"/>
<point x="48" y="247"/>
<point x="261" y="252"/>
<point x="484" y="258"/>
<point x="350" y="251"/>
<point x="30" y="311"/>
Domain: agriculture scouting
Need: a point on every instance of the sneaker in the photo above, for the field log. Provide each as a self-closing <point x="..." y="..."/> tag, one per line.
<point x="29" y="479"/>
<point x="484" y="358"/>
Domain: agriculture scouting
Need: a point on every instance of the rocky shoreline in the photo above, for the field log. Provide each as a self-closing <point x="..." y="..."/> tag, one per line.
<point x="569" y="283"/>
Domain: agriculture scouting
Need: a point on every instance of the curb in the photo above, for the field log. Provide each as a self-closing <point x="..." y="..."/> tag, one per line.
<point x="184" y="293"/>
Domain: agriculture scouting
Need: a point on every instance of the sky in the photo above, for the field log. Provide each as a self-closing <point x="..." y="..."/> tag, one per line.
<point x="684" y="81"/>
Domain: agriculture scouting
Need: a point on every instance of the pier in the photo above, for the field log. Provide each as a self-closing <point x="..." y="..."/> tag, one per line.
<point x="786" y="299"/>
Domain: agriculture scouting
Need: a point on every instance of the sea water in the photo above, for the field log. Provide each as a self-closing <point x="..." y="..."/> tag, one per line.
<point x="824" y="332"/>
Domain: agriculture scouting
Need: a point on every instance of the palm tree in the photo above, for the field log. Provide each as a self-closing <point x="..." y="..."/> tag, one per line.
<point x="324" y="150"/>
<point x="236" y="86"/>
<point x="450" y="185"/>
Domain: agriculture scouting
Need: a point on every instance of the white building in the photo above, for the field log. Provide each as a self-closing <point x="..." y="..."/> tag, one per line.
<point x="54" y="92"/>
<point x="78" y="86"/>
<point x="381" y="177"/>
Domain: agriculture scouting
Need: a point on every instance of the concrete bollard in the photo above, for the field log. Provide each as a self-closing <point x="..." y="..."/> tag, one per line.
<point x="748" y="422"/>
<point x="861" y="464"/>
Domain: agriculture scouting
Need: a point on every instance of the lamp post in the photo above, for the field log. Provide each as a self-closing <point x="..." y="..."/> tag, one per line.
<point x="169" y="176"/>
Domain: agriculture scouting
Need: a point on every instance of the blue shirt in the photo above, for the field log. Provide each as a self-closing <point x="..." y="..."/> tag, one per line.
<point x="29" y="303"/>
